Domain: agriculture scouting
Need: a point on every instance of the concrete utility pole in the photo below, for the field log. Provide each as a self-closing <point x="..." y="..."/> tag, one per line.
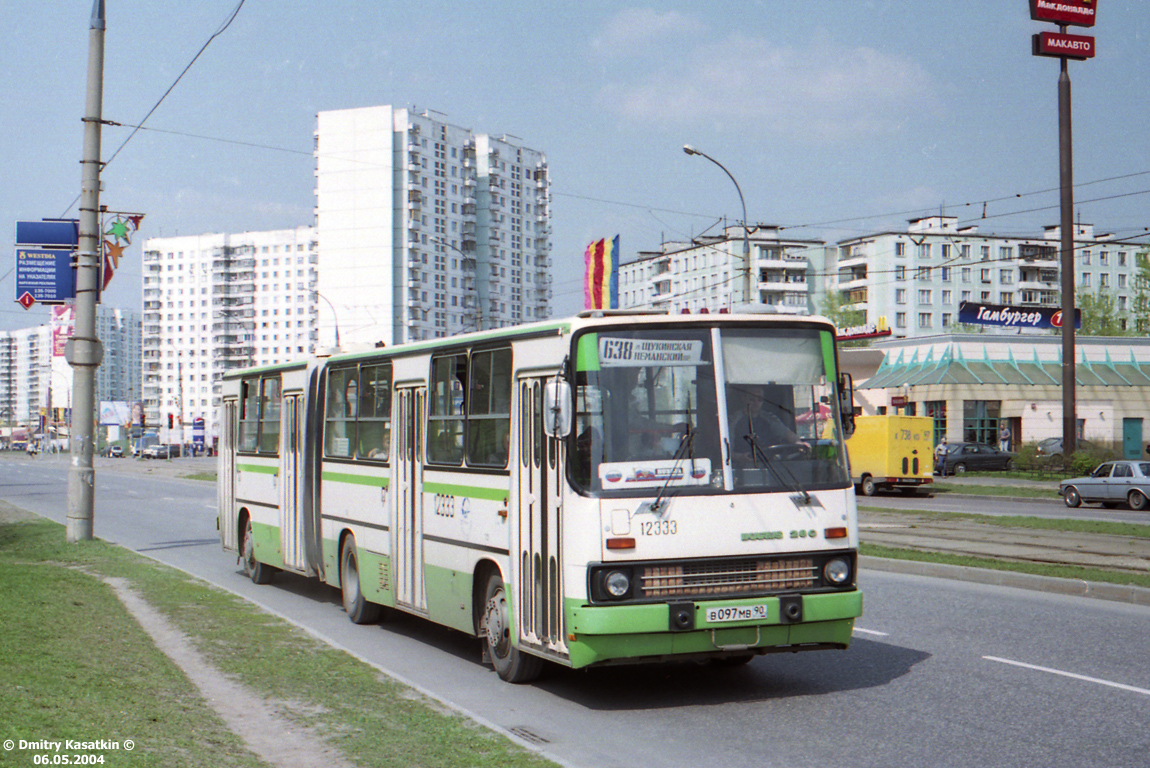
<point x="83" y="350"/>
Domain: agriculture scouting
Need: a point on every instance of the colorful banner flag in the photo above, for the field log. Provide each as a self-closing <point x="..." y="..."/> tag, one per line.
<point x="601" y="282"/>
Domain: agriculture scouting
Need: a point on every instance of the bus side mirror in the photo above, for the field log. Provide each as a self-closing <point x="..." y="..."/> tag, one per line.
<point x="847" y="404"/>
<point x="557" y="408"/>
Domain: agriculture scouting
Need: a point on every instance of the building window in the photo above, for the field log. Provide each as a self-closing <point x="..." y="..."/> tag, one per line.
<point x="900" y="320"/>
<point x="980" y="421"/>
<point x="924" y="296"/>
<point x="1085" y="282"/>
<point x="924" y="320"/>
<point x="900" y="296"/>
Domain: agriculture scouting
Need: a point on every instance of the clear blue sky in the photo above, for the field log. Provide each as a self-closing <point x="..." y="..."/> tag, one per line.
<point x="837" y="117"/>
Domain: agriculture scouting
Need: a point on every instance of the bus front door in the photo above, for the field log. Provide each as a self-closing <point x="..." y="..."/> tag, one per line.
<point x="407" y="544"/>
<point x="538" y="577"/>
<point x="291" y="483"/>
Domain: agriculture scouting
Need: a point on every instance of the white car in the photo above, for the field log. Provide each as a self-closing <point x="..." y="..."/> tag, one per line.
<point x="1111" y="484"/>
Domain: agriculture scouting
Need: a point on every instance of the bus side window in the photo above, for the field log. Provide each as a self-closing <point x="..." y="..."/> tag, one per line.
<point x="489" y="408"/>
<point x="339" y="430"/>
<point x="375" y="412"/>
<point x="446" y="413"/>
<point x="270" y="402"/>
<point x="249" y="414"/>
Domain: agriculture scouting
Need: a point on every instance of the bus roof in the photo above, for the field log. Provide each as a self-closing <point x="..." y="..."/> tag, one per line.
<point x="585" y="319"/>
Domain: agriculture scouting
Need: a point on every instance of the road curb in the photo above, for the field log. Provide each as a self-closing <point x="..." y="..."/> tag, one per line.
<point x="1076" y="587"/>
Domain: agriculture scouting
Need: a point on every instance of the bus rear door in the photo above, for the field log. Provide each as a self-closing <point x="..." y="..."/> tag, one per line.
<point x="408" y="482"/>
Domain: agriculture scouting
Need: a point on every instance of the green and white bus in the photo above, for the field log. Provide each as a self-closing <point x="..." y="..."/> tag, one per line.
<point x="611" y="488"/>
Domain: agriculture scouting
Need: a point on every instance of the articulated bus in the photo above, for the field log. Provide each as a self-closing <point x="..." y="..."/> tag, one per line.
<point x="612" y="488"/>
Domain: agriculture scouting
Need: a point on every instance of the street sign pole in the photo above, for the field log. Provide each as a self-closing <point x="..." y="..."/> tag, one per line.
<point x="1064" y="13"/>
<point x="83" y="351"/>
<point x="1066" y="182"/>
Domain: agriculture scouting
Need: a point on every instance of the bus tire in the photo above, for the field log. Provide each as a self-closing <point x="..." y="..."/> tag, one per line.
<point x="359" y="610"/>
<point x="510" y="663"/>
<point x="259" y="573"/>
<point x="867" y="486"/>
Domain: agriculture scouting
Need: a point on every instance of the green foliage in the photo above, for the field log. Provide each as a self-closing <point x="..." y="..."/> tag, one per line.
<point x="1100" y="315"/>
<point x="836" y="309"/>
<point x="1028" y="458"/>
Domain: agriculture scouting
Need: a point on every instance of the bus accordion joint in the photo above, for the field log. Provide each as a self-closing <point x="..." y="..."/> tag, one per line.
<point x="622" y="542"/>
<point x="835" y="533"/>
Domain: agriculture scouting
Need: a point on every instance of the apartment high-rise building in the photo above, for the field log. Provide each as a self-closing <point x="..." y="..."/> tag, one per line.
<point x="34" y="377"/>
<point x="917" y="279"/>
<point x="710" y="273"/>
<point x="216" y="302"/>
<point x="425" y="228"/>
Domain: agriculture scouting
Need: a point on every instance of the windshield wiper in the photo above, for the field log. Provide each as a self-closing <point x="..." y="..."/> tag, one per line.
<point x="790" y="479"/>
<point x="685" y="448"/>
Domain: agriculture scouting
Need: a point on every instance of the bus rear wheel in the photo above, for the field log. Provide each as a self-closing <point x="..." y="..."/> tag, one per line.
<point x="258" y="572"/>
<point x="510" y="663"/>
<point x="359" y="610"/>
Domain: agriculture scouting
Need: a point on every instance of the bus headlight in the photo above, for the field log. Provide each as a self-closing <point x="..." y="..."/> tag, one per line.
<point x="617" y="583"/>
<point x="837" y="571"/>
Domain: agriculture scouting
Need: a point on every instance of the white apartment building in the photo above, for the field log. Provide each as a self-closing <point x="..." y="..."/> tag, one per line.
<point x="710" y="273"/>
<point x="916" y="279"/>
<point x="35" y="377"/>
<point x="427" y="229"/>
<point x="26" y="374"/>
<point x="216" y="302"/>
<point x="118" y="377"/>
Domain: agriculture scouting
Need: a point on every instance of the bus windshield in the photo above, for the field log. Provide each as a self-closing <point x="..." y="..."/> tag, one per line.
<point x="706" y="410"/>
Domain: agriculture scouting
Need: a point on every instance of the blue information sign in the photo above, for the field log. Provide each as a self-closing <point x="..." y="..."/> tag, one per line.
<point x="50" y="233"/>
<point x="45" y="274"/>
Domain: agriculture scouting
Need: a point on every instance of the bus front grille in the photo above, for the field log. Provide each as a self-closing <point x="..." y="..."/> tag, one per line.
<point x="728" y="577"/>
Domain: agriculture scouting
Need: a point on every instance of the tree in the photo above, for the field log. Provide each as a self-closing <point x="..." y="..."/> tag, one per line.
<point x="1140" y="308"/>
<point x="835" y="307"/>
<point x="1099" y="316"/>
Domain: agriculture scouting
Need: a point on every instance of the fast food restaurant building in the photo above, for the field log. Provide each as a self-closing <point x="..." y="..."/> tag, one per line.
<point x="972" y="384"/>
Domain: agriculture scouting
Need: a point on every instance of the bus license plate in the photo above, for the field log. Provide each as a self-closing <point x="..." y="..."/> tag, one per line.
<point x="736" y="613"/>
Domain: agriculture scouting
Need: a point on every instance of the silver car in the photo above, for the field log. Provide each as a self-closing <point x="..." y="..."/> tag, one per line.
<point x="1111" y="484"/>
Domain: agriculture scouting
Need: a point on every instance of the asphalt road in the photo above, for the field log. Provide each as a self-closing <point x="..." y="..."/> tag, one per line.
<point x="940" y="672"/>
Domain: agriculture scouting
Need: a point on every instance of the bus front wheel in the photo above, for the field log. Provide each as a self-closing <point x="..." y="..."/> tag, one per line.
<point x="359" y="610"/>
<point x="510" y="663"/>
<point x="258" y="572"/>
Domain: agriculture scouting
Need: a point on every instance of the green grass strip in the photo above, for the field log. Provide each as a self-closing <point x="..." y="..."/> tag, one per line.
<point x="1038" y="569"/>
<point x="1014" y="491"/>
<point x="75" y="665"/>
<point x="1070" y="525"/>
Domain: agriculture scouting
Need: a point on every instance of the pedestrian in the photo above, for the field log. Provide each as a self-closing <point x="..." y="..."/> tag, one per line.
<point x="1004" y="438"/>
<point x="940" y="457"/>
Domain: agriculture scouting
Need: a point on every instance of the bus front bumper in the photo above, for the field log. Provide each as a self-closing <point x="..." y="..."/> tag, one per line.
<point x="600" y="634"/>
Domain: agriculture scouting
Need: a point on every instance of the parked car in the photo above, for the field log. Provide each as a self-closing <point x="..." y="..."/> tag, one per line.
<point x="966" y="457"/>
<point x="1111" y="484"/>
<point x="160" y="452"/>
<point x="1050" y="449"/>
<point x="114" y="452"/>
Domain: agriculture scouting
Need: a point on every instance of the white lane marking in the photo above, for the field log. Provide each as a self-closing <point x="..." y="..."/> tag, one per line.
<point x="870" y="632"/>
<point x="1122" y="686"/>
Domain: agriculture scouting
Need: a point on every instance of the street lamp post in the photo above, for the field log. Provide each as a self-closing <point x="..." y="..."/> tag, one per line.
<point x="335" y="317"/>
<point x="746" y="237"/>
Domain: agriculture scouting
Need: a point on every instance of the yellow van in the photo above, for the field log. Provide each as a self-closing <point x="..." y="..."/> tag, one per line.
<point x="888" y="452"/>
